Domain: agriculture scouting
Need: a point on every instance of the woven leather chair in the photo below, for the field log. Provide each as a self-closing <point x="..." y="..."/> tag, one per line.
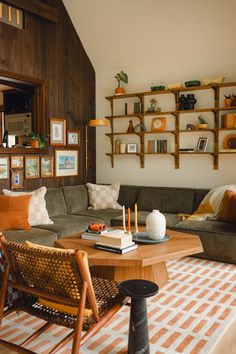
<point x="56" y="286"/>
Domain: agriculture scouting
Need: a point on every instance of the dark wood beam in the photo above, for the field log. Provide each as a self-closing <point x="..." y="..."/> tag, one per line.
<point x="36" y="7"/>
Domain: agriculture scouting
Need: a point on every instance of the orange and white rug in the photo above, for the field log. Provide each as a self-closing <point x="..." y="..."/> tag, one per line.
<point x="190" y="315"/>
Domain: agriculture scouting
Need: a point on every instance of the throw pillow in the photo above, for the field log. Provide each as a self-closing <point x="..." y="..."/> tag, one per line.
<point x="103" y="197"/>
<point x="38" y="214"/>
<point x="228" y="207"/>
<point x="14" y="212"/>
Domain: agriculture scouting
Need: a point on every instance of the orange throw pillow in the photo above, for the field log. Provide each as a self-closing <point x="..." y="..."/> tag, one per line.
<point x="228" y="207"/>
<point x="14" y="212"/>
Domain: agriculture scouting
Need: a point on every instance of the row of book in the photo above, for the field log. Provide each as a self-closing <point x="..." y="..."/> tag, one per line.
<point x="157" y="146"/>
<point x="112" y="240"/>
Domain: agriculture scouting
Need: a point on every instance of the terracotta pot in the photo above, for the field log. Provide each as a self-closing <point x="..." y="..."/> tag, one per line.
<point x="34" y="144"/>
<point x="228" y="102"/>
<point x="120" y="91"/>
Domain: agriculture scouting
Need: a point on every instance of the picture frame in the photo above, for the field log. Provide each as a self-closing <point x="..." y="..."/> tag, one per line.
<point x="17" y="179"/>
<point x="31" y="167"/>
<point x="73" y="137"/>
<point x="17" y="161"/>
<point x="189" y="126"/>
<point x="202" y="144"/>
<point x="4" y="167"/>
<point x="66" y="163"/>
<point x="57" y="131"/>
<point x="47" y="166"/>
<point x="131" y="148"/>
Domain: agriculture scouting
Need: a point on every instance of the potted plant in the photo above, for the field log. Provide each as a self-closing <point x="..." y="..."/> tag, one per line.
<point x="228" y="100"/>
<point x="122" y="76"/>
<point x="37" y="141"/>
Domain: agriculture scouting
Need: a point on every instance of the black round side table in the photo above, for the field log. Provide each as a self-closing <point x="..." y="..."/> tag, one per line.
<point x="138" y="290"/>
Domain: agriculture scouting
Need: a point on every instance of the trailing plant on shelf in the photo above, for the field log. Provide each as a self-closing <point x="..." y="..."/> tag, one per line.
<point x="38" y="140"/>
<point x="121" y="77"/>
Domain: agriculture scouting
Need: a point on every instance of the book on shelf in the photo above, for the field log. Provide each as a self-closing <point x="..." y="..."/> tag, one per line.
<point x="157" y="146"/>
<point x="118" y="240"/>
<point x="103" y="247"/>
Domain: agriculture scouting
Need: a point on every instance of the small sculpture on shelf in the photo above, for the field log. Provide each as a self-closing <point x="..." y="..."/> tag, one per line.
<point x="202" y="123"/>
<point x="154" y="107"/>
<point x="187" y="103"/>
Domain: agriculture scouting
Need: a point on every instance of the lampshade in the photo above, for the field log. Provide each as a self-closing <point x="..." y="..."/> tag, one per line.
<point x="102" y="122"/>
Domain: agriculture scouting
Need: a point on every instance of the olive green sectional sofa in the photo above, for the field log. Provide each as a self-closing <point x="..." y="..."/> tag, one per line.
<point x="68" y="208"/>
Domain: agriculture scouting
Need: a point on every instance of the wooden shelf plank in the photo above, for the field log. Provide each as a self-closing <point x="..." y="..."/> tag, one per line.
<point x="196" y="130"/>
<point x="26" y="151"/>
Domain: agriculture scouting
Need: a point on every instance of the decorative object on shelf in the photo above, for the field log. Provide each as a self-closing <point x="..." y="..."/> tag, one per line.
<point x="57" y="131"/>
<point x="122" y="147"/>
<point x="17" y="161"/>
<point x="217" y="80"/>
<point x="4" y="167"/>
<point x="17" y="177"/>
<point x="154" y="107"/>
<point x="122" y="76"/>
<point x="230" y="141"/>
<point x="131" y="148"/>
<point x="66" y="163"/>
<point x="190" y="126"/>
<point x="233" y="98"/>
<point x="228" y="100"/>
<point x="32" y="167"/>
<point x="202" y="144"/>
<point x="130" y="127"/>
<point x="229" y="120"/>
<point x="139" y="128"/>
<point x="37" y="141"/>
<point x="192" y="83"/>
<point x="158" y="124"/>
<point x="156" y="225"/>
<point x="191" y="100"/>
<point x="5" y="139"/>
<point x="73" y="137"/>
<point x="158" y="88"/>
<point x="117" y="146"/>
<point x="177" y="85"/>
<point x="47" y="167"/>
<point x="202" y="123"/>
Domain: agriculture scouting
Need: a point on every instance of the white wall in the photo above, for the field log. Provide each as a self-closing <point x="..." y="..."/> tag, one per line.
<point x="154" y="41"/>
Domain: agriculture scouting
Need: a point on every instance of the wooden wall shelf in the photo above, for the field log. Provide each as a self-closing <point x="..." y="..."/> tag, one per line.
<point x="23" y="151"/>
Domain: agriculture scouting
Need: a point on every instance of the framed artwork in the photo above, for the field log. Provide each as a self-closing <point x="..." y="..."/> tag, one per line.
<point x="202" y="144"/>
<point x="4" y="167"/>
<point x="17" y="178"/>
<point x="131" y="148"/>
<point x="73" y="137"/>
<point x="57" y="131"/>
<point x="17" y="162"/>
<point x="66" y="163"/>
<point x="32" y="167"/>
<point x="47" y="166"/>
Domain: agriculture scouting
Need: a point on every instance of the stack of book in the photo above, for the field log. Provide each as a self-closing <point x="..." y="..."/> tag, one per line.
<point x="157" y="146"/>
<point x="94" y="235"/>
<point x="117" y="242"/>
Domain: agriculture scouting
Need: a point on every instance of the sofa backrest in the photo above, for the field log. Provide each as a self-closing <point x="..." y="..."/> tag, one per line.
<point x="199" y="194"/>
<point x="76" y="198"/>
<point x="55" y="202"/>
<point x="128" y="196"/>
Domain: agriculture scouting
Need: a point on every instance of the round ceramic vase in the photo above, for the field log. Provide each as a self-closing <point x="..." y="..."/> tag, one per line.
<point x="156" y="225"/>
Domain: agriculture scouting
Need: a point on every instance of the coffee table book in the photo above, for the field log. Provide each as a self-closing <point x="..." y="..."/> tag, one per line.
<point x="95" y="235"/>
<point x="118" y="250"/>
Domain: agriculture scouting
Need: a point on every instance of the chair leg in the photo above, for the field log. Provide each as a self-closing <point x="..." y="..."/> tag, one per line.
<point x="4" y="291"/>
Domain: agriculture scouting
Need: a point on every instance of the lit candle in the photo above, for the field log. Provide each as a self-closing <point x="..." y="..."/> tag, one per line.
<point x="123" y="218"/>
<point x="136" y="217"/>
<point x="129" y="231"/>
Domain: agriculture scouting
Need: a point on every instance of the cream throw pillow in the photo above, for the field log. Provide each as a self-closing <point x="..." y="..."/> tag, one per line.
<point x="103" y="197"/>
<point x="38" y="214"/>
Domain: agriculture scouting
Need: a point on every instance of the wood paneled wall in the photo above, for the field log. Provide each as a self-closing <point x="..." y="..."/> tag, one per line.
<point x="52" y="51"/>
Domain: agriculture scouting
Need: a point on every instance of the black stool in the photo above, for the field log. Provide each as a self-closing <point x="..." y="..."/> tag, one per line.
<point x="138" y="290"/>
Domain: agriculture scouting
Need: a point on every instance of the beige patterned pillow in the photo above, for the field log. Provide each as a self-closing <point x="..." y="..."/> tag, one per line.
<point x="38" y="214"/>
<point x="103" y="197"/>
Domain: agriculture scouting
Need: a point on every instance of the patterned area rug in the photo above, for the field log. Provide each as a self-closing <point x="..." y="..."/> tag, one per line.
<point x="190" y="315"/>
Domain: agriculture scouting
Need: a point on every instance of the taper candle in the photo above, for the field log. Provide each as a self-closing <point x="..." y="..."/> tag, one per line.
<point x="123" y="218"/>
<point x="136" y="217"/>
<point x="129" y="230"/>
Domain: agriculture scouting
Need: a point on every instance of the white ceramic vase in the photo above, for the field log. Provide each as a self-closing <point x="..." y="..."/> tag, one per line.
<point x="156" y="225"/>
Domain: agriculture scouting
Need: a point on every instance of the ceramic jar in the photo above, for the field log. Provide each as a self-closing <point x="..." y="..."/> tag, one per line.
<point x="156" y="225"/>
<point x="122" y="147"/>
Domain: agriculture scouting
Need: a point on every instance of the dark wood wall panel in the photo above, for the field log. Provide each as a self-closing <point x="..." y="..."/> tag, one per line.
<point x="52" y="51"/>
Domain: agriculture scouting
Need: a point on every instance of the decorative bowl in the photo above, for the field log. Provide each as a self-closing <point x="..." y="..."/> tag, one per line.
<point x="158" y="88"/>
<point x="192" y="83"/>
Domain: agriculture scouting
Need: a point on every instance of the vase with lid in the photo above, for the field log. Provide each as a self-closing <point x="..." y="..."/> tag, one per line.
<point x="156" y="225"/>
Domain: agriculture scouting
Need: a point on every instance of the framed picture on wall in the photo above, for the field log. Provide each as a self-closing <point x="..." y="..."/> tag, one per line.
<point x="32" y="167"/>
<point x="4" y="167"/>
<point x="17" y="177"/>
<point x="57" y="131"/>
<point x="17" y="162"/>
<point x="73" y="137"/>
<point x="47" y="166"/>
<point x="66" y="163"/>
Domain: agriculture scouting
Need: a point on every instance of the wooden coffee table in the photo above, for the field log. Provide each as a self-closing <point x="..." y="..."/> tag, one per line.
<point x="146" y="262"/>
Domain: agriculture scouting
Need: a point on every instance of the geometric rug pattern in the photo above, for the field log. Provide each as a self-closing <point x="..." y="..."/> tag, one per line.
<point x="189" y="315"/>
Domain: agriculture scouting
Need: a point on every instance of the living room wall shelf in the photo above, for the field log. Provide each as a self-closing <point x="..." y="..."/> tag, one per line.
<point x="179" y="117"/>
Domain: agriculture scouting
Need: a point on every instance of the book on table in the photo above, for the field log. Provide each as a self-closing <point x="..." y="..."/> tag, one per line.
<point x="95" y="235"/>
<point x="118" y="240"/>
<point x="104" y="247"/>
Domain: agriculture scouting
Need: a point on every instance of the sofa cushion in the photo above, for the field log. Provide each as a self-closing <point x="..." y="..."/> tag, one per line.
<point x="103" y="197"/>
<point x="14" y="212"/>
<point x="167" y="200"/>
<point x="104" y="214"/>
<point x="76" y="198"/>
<point x="128" y="196"/>
<point x="171" y="219"/>
<point x="55" y="202"/>
<point x="212" y="226"/>
<point x="35" y="235"/>
<point x="67" y="225"/>
<point x="228" y="207"/>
